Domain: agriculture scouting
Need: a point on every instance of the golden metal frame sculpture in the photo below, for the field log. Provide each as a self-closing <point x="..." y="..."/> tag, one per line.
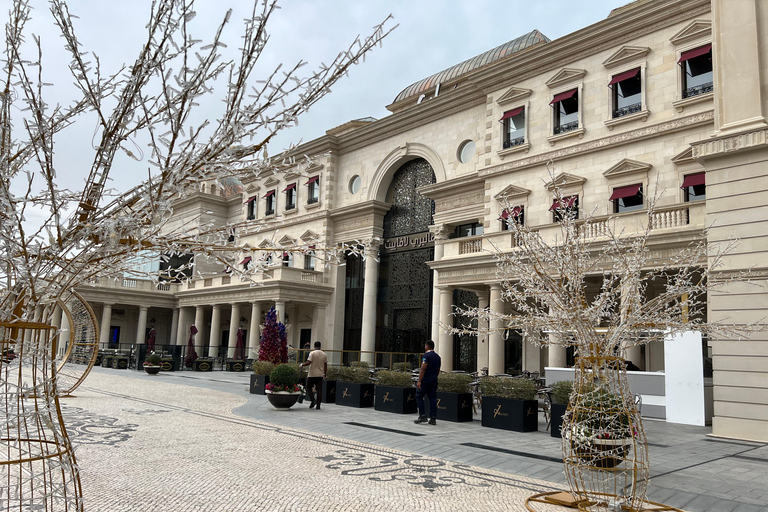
<point x="542" y="498"/>
<point x="80" y="356"/>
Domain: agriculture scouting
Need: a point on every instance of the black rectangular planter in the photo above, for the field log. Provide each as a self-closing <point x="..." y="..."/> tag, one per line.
<point x="258" y="384"/>
<point x="235" y="365"/>
<point x="169" y="364"/>
<point x="120" y="362"/>
<point x="203" y="365"/>
<point x="556" y="414"/>
<point x="329" y="391"/>
<point x="106" y="361"/>
<point x="453" y="406"/>
<point x="508" y="414"/>
<point x="353" y="394"/>
<point x="394" y="399"/>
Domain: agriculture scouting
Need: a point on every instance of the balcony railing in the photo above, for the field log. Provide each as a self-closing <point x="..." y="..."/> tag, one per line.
<point x="312" y="200"/>
<point x="514" y="142"/>
<point x="670" y="218"/>
<point x="567" y="127"/>
<point x="470" y="245"/>
<point x="270" y="212"/>
<point x="290" y="206"/>
<point x="629" y="109"/>
<point x="698" y="90"/>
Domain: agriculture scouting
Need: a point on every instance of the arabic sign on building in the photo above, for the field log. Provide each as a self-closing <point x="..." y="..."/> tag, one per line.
<point x="409" y="242"/>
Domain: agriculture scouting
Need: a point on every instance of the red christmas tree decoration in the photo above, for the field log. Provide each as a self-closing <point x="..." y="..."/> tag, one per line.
<point x="274" y="341"/>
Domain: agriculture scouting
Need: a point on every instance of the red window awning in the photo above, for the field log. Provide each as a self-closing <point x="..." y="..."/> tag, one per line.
<point x="563" y="96"/>
<point x="246" y="261"/>
<point x="693" y="180"/>
<point x="567" y="202"/>
<point x="622" y="192"/>
<point x="690" y="54"/>
<point x="290" y="187"/>
<point x="511" y="113"/>
<point x="270" y="193"/>
<point x="251" y="199"/>
<point x="514" y="212"/>
<point x="313" y="179"/>
<point x="624" y="76"/>
<point x="504" y="215"/>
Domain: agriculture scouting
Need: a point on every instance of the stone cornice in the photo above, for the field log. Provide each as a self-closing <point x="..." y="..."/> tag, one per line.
<point x="604" y="143"/>
<point x="355" y="210"/>
<point x="755" y="139"/>
<point x="451" y="187"/>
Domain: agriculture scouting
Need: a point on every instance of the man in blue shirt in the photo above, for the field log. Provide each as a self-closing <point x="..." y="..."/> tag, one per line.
<point x="427" y="383"/>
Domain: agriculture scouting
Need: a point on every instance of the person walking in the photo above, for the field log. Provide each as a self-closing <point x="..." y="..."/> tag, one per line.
<point x="427" y="383"/>
<point x="318" y="369"/>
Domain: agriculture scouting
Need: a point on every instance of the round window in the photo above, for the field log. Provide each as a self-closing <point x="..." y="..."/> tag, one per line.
<point x="354" y="184"/>
<point x="466" y="151"/>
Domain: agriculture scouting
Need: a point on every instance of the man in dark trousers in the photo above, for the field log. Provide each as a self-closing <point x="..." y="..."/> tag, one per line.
<point x="318" y="369"/>
<point x="427" y="383"/>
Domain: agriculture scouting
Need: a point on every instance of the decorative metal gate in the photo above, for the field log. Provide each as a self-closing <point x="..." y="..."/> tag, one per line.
<point x="465" y="345"/>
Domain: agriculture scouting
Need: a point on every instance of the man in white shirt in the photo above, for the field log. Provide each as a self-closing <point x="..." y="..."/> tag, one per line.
<point x="318" y="368"/>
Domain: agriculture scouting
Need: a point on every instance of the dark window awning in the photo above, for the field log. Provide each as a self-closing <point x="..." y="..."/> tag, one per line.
<point x="251" y="199"/>
<point x="290" y="187"/>
<point x="563" y="96"/>
<point x="511" y="113"/>
<point x="624" y="76"/>
<point x="567" y="202"/>
<point x="313" y="179"/>
<point x="693" y="180"/>
<point x="270" y="193"/>
<point x="690" y="54"/>
<point x="622" y="192"/>
<point x="246" y="261"/>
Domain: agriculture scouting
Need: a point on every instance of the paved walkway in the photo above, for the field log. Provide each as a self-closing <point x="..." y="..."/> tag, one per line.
<point x="200" y="441"/>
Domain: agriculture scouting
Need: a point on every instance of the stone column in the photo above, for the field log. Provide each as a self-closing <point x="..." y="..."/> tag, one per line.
<point x="370" y="288"/>
<point x="253" y="331"/>
<point x="181" y="330"/>
<point x="294" y="336"/>
<point x="440" y="232"/>
<point x="234" y="325"/>
<point x="200" y="324"/>
<point x="496" y="338"/>
<point x="318" y="325"/>
<point x="482" y="337"/>
<point x="215" y="339"/>
<point x="174" y="327"/>
<point x="280" y="310"/>
<point x="141" y="327"/>
<point x="557" y="354"/>
<point x="446" y="338"/>
<point x="106" y="320"/>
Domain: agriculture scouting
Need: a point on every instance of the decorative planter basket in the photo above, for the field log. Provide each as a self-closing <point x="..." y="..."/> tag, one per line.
<point x="282" y="400"/>
<point x="153" y="370"/>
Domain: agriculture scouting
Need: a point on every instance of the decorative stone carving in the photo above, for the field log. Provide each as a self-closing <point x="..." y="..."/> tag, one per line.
<point x="729" y="144"/>
<point x="440" y="231"/>
<point x="514" y="95"/>
<point x="627" y="166"/>
<point x="565" y="76"/>
<point x="626" y="54"/>
<point x="457" y="202"/>
<point x="564" y="179"/>
<point x="697" y="29"/>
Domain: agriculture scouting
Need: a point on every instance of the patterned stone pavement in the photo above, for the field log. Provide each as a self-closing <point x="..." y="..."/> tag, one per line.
<point x="147" y="444"/>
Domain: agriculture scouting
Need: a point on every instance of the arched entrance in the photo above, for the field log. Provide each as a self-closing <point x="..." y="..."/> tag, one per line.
<point x="404" y="302"/>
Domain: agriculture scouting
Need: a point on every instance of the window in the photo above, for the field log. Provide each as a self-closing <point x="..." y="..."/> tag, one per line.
<point x="566" y="107"/>
<point x="514" y="127"/>
<point x="309" y="260"/>
<point x="271" y="202"/>
<point x="314" y="190"/>
<point x="464" y="230"/>
<point x="354" y="185"/>
<point x="627" y="199"/>
<point x="246" y="263"/>
<point x="466" y="151"/>
<point x="626" y="88"/>
<point x="514" y="215"/>
<point x="695" y="187"/>
<point x="250" y="206"/>
<point x="290" y="196"/>
<point x="697" y="71"/>
<point x="566" y="206"/>
<point x="287" y="259"/>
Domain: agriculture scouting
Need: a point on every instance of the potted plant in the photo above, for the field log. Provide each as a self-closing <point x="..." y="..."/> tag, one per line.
<point x="260" y="377"/>
<point x="454" y="399"/>
<point x="395" y="392"/>
<point x="203" y="364"/>
<point x="509" y="404"/>
<point x="559" y="393"/>
<point x="153" y="364"/>
<point x="120" y="361"/>
<point x="601" y="431"/>
<point x="354" y="387"/>
<point x="329" y="385"/>
<point x="283" y="389"/>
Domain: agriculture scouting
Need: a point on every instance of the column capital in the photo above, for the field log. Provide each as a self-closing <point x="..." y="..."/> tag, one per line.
<point x="143" y="308"/>
<point x="440" y="232"/>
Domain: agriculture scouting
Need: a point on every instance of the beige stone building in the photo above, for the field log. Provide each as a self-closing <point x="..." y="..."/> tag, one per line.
<point x="663" y="97"/>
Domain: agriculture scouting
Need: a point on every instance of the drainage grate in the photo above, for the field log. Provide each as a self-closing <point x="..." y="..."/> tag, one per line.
<point x="385" y="429"/>
<point x="559" y="460"/>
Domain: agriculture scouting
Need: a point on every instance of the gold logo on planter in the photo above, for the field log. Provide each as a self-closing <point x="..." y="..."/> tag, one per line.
<point x="529" y="412"/>
<point x="438" y="404"/>
<point x="204" y="367"/>
<point x="409" y="398"/>
<point x="366" y="394"/>
<point x="331" y="390"/>
<point x="386" y="397"/>
<point x="344" y="394"/>
<point x="167" y="366"/>
<point x="464" y="404"/>
<point x="497" y="412"/>
<point x="237" y="367"/>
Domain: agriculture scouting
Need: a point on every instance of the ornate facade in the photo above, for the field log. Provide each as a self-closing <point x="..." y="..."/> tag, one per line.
<point x="663" y="97"/>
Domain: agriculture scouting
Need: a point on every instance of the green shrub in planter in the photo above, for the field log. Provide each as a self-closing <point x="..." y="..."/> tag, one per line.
<point x="402" y="367"/>
<point x="333" y="373"/>
<point x="153" y="359"/>
<point x="263" y="367"/>
<point x="360" y="364"/>
<point x="515" y="389"/>
<point x="453" y="382"/>
<point x="354" y="374"/>
<point x="395" y="379"/>
<point x="284" y="376"/>
<point x="561" y="392"/>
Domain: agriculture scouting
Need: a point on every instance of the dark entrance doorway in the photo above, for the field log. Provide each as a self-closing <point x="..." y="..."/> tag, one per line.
<point x="465" y="345"/>
<point x="513" y="352"/>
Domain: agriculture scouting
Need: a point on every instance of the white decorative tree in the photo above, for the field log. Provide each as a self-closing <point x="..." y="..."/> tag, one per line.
<point x="54" y="237"/>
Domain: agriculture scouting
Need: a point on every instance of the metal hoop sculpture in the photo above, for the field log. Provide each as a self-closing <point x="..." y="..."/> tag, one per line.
<point x="37" y="464"/>
<point x="83" y="346"/>
<point x="554" y="499"/>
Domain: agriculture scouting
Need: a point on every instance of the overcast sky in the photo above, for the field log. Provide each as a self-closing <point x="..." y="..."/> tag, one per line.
<point x="432" y="35"/>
